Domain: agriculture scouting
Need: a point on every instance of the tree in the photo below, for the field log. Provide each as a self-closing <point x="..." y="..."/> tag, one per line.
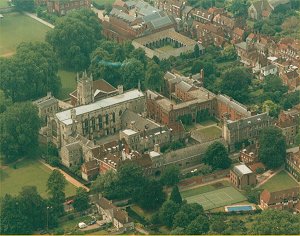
<point x="229" y="53"/>
<point x="56" y="186"/>
<point x="272" y="147"/>
<point x="196" y="51"/>
<point x="274" y="88"/>
<point x="130" y="180"/>
<point x="276" y="222"/>
<point x="170" y="176"/>
<point x="132" y="72"/>
<point x="151" y="195"/>
<point x="175" y="195"/>
<point x="217" y="226"/>
<point x="167" y="212"/>
<point x="74" y="37"/>
<point x="235" y="83"/>
<point x="30" y="73"/>
<point x="238" y="8"/>
<point x="19" y="127"/>
<point x="198" y="226"/>
<point x="4" y="102"/>
<point x="81" y="200"/>
<point x="216" y="156"/>
<point x="24" y="5"/>
<point x="140" y="55"/>
<point x="271" y="107"/>
<point x="105" y="184"/>
<point x="186" y="214"/>
<point x="24" y="213"/>
<point x="153" y="76"/>
<point x="290" y="24"/>
<point x="290" y="100"/>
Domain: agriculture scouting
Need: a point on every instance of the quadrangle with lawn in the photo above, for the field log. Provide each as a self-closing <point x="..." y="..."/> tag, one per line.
<point x="28" y="172"/>
<point x="280" y="181"/>
<point x="16" y="28"/>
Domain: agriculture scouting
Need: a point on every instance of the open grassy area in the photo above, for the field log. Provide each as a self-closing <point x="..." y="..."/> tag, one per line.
<point x="70" y="225"/>
<point x="68" y="83"/>
<point x="28" y="172"/>
<point x="16" y="28"/>
<point x="142" y="212"/>
<point x="204" y="189"/>
<point x="103" y="2"/>
<point x="279" y="182"/>
<point x="3" y="3"/>
<point x="166" y="48"/>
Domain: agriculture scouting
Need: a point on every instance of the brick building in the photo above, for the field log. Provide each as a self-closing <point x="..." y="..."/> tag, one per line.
<point x="288" y="122"/>
<point x="61" y="7"/>
<point x="293" y="163"/>
<point x="283" y="200"/>
<point x="241" y="176"/>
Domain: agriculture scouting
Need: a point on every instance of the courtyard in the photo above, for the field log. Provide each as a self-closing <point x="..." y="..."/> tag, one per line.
<point x="280" y="181"/>
<point x="205" y="131"/>
<point x="214" y="195"/>
<point x="27" y="172"/>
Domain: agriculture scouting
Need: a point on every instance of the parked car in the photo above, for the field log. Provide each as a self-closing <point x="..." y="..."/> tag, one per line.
<point x="82" y="225"/>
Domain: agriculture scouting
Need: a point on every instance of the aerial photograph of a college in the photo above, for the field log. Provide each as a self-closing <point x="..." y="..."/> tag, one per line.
<point x="150" y="117"/>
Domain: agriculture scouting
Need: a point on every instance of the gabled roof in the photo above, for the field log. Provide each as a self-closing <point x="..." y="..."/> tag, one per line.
<point x="183" y="86"/>
<point x="279" y="196"/>
<point x="241" y="170"/>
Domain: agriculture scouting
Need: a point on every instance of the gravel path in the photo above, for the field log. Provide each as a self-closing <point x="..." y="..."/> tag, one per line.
<point x="33" y="16"/>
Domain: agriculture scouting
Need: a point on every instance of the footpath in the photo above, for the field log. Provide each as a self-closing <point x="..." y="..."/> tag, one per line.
<point x="69" y="178"/>
<point x="33" y="16"/>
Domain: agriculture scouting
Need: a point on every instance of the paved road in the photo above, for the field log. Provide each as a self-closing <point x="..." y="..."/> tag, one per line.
<point x="67" y="176"/>
<point x="33" y="16"/>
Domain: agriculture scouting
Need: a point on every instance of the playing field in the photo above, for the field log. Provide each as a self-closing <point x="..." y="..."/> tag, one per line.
<point x="217" y="198"/>
<point x="16" y="28"/>
<point x="27" y="173"/>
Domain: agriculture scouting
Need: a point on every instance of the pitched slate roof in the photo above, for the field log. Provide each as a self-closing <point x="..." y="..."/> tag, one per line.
<point x="248" y="122"/>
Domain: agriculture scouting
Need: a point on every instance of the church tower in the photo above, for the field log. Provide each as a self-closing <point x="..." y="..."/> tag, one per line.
<point x="84" y="89"/>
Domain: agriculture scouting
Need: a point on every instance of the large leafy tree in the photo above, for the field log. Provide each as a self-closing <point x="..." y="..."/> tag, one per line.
<point x="186" y="214"/>
<point x="74" y="37"/>
<point x="198" y="226"/>
<point x="19" y="127"/>
<point x="151" y="195"/>
<point x="106" y="184"/>
<point x="132" y="72"/>
<point x="24" y="213"/>
<point x="153" y="76"/>
<point x="216" y="156"/>
<point x="24" y="5"/>
<point x="235" y="83"/>
<point x="272" y="147"/>
<point x="30" y="73"/>
<point x="56" y="188"/>
<point x="170" y="175"/>
<point x="277" y="222"/>
<point x="81" y="200"/>
<point x="167" y="212"/>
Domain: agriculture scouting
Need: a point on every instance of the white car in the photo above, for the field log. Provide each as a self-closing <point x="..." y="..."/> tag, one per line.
<point x="82" y="225"/>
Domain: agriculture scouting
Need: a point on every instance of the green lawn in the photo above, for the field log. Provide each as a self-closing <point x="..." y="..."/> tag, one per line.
<point x="3" y="3"/>
<point x="28" y="172"/>
<point x="103" y="2"/>
<point x="166" y="48"/>
<point x="204" y="189"/>
<point x="279" y="182"/>
<point x="71" y="225"/>
<point x="16" y="28"/>
<point x="68" y="83"/>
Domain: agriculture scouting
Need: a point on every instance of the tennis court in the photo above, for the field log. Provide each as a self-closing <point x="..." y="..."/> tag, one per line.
<point x="217" y="198"/>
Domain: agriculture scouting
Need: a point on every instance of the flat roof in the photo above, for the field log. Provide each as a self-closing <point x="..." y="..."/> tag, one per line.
<point x="129" y="131"/>
<point x="243" y="169"/>
<point x="65" y="116"/>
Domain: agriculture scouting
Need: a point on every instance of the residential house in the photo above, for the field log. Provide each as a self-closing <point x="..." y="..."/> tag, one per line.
<point x="226" y="22"/>
<point x="118" y="217"/>
<point x="237" y="35"/>
<point x="249" y="155"/>
<point x="241" y="176"/>
<point x="172" y="7"/>
<point x="292" y="164"/>
<point x="282" y="200"/>
<point x="61" y="7"/>
<point x="201" y="15"/>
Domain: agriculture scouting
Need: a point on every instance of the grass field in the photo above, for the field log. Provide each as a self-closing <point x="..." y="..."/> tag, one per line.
<point x="280" y="181"/>
<point x="166" y="48"/>
<point x="3" y="3"/>
<point x="16" y="28"/>
<point x="216" y="198"/>
<point x="28" y="172"/>
<point x="68" y="83"/>
<point x="104" y="1"/>
<point x="204" y="189"/>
